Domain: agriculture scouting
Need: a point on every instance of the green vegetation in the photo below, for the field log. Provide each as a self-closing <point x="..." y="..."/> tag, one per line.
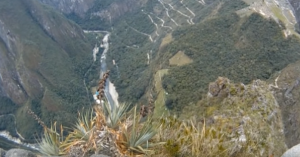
<point x="50" y="142"/>
<point x="160" y="108"/>
<point x="7" y="106"/>
<point x="115" y="115"/>
<point x="7" y="122"/>
<point x="240" y="49"/>
<point x="129" y="50"/>
<point x="246" y="122"/>
<point x="92" y="130"/>
<point x="231" y="6"/>
<point x="51" y="64"/>
<point x="92" y="22"/>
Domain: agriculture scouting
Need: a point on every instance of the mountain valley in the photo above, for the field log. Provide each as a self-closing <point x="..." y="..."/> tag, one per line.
<point x="165" y="51"/>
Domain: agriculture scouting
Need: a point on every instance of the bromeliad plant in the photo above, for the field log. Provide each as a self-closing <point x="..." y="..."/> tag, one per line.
<point x="135" y="139"/>
<point x="105" y="127"/>
<point x="130" y="137"/>
<point x="51" y="141"/>
<point x="115" y="115"/>
<point x="82" y="134"/>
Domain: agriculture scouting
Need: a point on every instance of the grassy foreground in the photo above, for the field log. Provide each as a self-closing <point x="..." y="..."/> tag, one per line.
<point x="239" y="120"/>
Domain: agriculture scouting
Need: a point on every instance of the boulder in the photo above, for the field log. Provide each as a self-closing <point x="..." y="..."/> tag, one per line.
<point x="99" y="155"/>
<point x="2" y="153"/>
<point x="292" y="152"/>
<point x="19" y="153"/>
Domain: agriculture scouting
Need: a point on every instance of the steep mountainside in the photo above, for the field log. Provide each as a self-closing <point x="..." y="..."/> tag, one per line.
<point x="287" y="94"/>
<point x="296" y="6"/>
<point x="137" y="32"/>
<point x="95" y="14"/>
<point x="241" y="49"/>
<point x="43" y="58"/>
<point x="191" y="42"/>
<point x="79" y="7"/>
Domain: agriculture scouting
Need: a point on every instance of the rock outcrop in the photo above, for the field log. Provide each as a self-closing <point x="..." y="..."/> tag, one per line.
<point x="288" y="97"/>
<point x="26" y="153"/>
<point x="117" y="9"/>
<point x="92" y="8"/>
<point x="19" y="153"/>
<point x="248" y="115"/>
<point x="296" y="5"/>
<point x="293" y="152"/>
<point x="79" y="7"/>
<point x="2" y="153"/>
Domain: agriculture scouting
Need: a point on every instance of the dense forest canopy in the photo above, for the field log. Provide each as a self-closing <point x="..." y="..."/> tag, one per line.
<point x="242" y="49"/>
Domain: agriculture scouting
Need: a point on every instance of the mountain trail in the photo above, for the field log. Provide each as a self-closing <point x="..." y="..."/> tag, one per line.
<point x="201" y="2"/>
<point x="150" y="38"/>
<point x="189" y="20"/>
<point x="191" y="12"/>
<point x="152" y="21"/>
<point x="163" y="22"/>
<point x="167" y="12"/>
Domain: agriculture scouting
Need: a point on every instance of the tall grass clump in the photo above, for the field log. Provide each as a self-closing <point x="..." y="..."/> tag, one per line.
<point x="135" y="138"/>
<point x="111" y="130"/>
<point x="51" y="142"/>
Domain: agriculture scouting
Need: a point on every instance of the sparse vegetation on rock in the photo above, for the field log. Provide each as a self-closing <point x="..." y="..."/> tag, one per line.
<point x="237" y="120"/>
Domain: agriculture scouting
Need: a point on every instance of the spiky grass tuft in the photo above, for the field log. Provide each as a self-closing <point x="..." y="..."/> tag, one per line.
<point x="115" y="115"/>
<point x="82" y="135"/>
<point x="51" y="142"/>
<point x="135" y="138"/>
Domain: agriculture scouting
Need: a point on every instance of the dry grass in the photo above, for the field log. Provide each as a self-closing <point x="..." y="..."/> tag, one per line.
<point x="107" y="132"/>
<point x="189" y="138"/>
<point x="180" y="59"/>
<point x="160" y="108"/>
<point x="166" y="40"/>
<point x="233" y="130"/>
<point x="246" y="123"/>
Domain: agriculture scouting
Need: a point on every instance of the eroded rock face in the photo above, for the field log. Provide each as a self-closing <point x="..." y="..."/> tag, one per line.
<point x="82" y="7"/>
<point x="296" y="6"/>
<point x="79" y="7"/>
<point x="12" y="78"/>
<point x="42" y="54"/>
<point x="118" y="8"/>
<point x="288" y="97"/>
<point x="21" y="57"/>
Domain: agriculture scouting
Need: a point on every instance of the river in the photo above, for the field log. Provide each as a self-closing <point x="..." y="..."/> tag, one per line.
<point x="110" y="90"/>
<point x="7" y="141"/>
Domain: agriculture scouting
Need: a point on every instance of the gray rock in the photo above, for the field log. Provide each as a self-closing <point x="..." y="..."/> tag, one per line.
<point x="19" y="153"/>
<point x="2" y="153"/>
<point x="292" y="152"/>
<point x="99" y="155"/>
